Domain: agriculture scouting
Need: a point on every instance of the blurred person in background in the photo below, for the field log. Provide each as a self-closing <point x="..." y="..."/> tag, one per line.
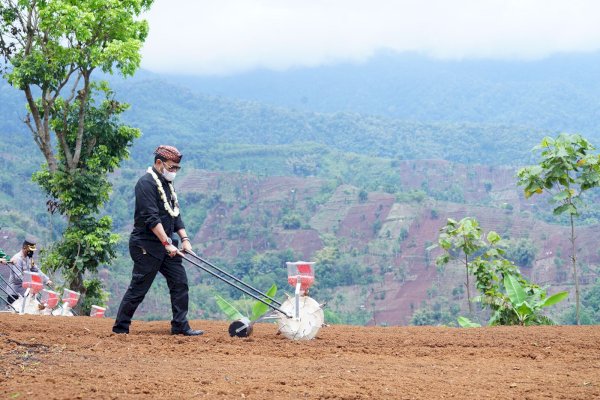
<point x="19" y="263"/>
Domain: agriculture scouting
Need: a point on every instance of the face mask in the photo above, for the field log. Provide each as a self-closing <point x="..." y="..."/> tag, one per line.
<point x="30" y="254"/>
<point x="170" y="176"/>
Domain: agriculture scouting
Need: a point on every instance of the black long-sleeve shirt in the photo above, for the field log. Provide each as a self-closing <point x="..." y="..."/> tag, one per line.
<point x="149" y="212"/>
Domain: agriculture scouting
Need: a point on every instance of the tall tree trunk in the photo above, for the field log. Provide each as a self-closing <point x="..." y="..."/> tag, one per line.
<point x="468" y="285"/>
<point x="76" y="284"/>
<point x="575" y="275"/>
<point x="76" y="281"/>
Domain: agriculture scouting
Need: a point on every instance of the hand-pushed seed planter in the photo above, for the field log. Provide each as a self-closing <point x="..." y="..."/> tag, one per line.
<point x="32" y="303"/>
<point x="69" y="301"/>
<point x="33" y="282"/>
<point x="28" y="304"/>
<point x="299" y="317"/>
<point x="48" y="300"/>
<point x="97" y="311"/>
<point x="307" y="313"/>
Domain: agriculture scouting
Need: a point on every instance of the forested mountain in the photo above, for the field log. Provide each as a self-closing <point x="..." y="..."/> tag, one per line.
<point x="398" y="106"/>
<point x="204" y="122"/>
<point x="356" y="166"/>
<point x="561" y="92"/>
<point x="170" y="113"/>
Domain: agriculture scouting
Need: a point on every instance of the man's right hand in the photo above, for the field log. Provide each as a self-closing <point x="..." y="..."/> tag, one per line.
<point x="171" y="250"/>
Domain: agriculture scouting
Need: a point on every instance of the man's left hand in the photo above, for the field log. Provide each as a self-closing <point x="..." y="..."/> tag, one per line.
<point x="187" y="246"/>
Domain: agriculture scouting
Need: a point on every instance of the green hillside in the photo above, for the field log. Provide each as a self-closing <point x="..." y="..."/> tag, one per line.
<point x="203" y="124"/>
<point x="200" y="123"/>
<point x="261" y="185"/>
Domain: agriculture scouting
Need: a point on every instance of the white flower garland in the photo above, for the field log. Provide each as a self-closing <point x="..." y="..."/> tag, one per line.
<point x="163" y="195"/>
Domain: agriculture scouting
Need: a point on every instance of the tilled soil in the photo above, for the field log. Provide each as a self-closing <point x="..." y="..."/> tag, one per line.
<point x="79" y="358"/>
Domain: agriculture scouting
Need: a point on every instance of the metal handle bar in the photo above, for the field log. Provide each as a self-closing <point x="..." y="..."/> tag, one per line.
<point x="14" y="271"/>
<point x="8" y="286"/>
<point x="231" y="283"/>
<point x="8" y="294"/>
<point x="232" y="277"/>
<point x="6" y="300"/>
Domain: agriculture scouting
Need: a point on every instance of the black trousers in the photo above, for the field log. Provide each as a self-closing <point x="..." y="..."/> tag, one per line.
<point x="145" y="268"/>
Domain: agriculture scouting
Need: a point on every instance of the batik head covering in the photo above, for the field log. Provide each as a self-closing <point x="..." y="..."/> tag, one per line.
<point x="168" y="153"/>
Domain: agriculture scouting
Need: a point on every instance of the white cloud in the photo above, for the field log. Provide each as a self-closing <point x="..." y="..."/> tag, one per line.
<point x="229" y="36"/>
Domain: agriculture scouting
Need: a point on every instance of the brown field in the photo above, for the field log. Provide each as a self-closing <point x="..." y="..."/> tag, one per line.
<point x="79" y="358"/>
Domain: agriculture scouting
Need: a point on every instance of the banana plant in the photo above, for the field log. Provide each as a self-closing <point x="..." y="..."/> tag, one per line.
<point x="519" y="306"/>
<point x="465" y="322"/>
<point x="526" y="308"/>
<point x="258" y="308"/>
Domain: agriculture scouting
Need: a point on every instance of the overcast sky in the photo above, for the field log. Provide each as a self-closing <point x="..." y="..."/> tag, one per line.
<point x="230" y="36"/>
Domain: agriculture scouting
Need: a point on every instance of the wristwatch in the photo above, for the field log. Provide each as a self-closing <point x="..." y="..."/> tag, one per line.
<point x="167" y="242"/>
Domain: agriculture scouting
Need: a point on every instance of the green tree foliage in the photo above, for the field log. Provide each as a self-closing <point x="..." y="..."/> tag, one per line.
<point x="95" y="295"/>
<point x="461" y="239"/>
<point x="291" y="220"/>
<point x="522" y="252"/>
<point x="304" y="166"/>
<point x="363" y="196"/>
<point x="51" y="48"/>
<point x="568" y="167"/>
<point x="590" y="307"/>
<point x="337" y="269"/>
<point x="512" y="299"/>
<point x="437" y="313"/>
<point x="87" y="241"/>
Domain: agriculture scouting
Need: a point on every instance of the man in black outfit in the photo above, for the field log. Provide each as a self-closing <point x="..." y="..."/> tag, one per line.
<point x="151" y="247"/>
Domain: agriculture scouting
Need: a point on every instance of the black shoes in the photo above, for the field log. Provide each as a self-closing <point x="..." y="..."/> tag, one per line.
<point x="188" y="332"/>
<point x="120" y="330"/>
